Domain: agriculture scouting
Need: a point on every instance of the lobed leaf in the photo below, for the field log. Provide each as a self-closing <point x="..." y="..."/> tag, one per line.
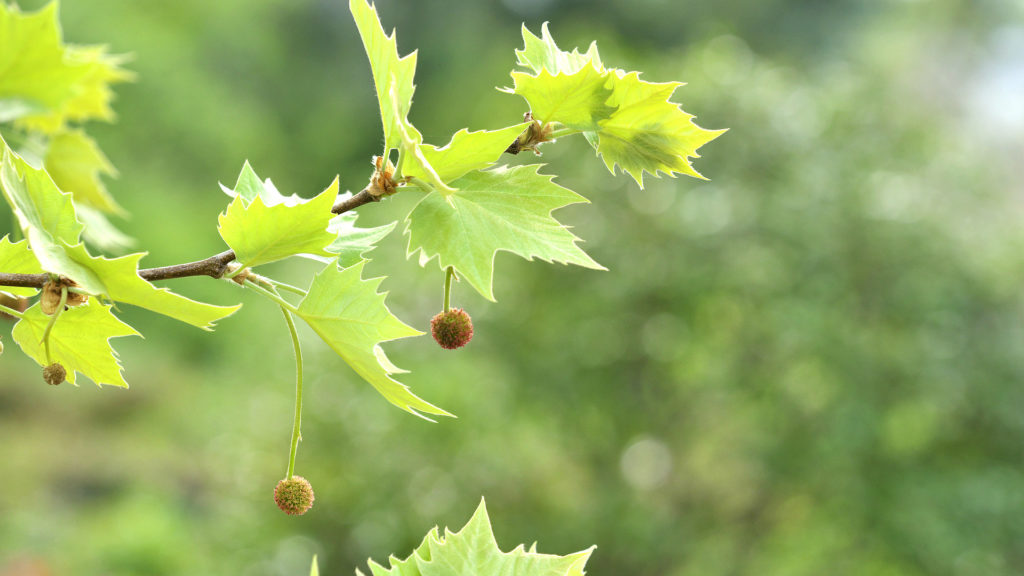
<point x="35" y="74"/>
<point x="392" y="75"/>
<point x="119" y="280"/>
<point x="351" y="243"/>
<point x="474" y="550"/>
<point x="630" y="122"/>
<point x="80" y="340"/>
<point x="500" y="209"/>
<point x="349" y="315"/>
<point x="467" y="151"/>
<point x="647" y="132"/>
<point x="270" y="227"/>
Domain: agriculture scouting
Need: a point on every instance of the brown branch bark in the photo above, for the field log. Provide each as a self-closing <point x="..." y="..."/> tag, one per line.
<point x="215" y="266"/>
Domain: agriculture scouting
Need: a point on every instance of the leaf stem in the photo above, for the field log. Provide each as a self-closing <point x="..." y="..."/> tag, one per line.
<point x="448" y="288"/>
<point x="297" y="423"/>
<point x="272" y="295"/>
<point x="563" y="132"/>
<point x="53" y="321"/>
<point x="11" y="311"/>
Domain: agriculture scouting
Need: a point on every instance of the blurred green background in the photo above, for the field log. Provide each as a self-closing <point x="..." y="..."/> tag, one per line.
<point x="811" y="364"/>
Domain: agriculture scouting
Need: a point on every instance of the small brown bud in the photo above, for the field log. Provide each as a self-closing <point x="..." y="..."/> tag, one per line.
<point x="49" y="299"/>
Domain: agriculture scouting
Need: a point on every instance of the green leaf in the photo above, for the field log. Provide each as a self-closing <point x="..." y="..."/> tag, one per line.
<point x="34" y="69"/>
<point x="630" y="122"/>
<point x="16" y="258"/>
<point x="119" y="281"/>
<point x="351" y="242"/>
<point x="392" y="75"/>
<point x="647" y="132"/>
<point x="46" y="216"/>
<point x="474" y="551"/>
<point x="466" y="152"/>
<point x="314" y="570"/>
<point x="499" y="209"/>
<point x="79" y="340"/>
<point x="576" y="100"/>
<point x="41" y="208"/>
<point x="75" y="163"/>
<point x="349" y="314"/>
<point x="100" y="232"/>
<point x="270" y="227"/>
<point x="543" y="54"/>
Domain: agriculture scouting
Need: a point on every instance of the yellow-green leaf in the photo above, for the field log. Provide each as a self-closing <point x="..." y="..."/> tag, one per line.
<point x="500" y="209"/>
<point x="349" y="314"/>
<point x="79" y="341"/>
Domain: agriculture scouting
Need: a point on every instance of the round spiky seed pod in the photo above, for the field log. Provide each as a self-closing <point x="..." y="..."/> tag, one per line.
<point x="54" y="374"/>
<point x="294" y="495"/>
<point x="452" y="329"/>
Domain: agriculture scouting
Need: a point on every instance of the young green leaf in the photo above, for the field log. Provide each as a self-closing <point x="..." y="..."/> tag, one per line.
<point x="44" y="212"/>
<point x="630" y="122"/>
<point x="349" y="314"/>
<point x="119" y="280"/>
<point x="270" y="227"/>
<point x="543" y="54"/>
<point x="16" y="258"/>
<point x="474" y="550"/>
<point x="314" y="570"/>
<point x="75" y="163"/>
<point x="466" y="152"/>
<point x="392" y="75"/>
<point x="35" y="74"/>
<point x="79" y="340"/>
<point x="46" y="216"/>
<point x="576" y="100"/>
<point x="647" y="132"/>
<point x="351" y="243"/>
<point x="500" y="209"/>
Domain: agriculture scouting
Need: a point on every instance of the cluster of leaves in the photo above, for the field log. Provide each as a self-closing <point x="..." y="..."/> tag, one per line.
<point x="474" y="550"/>
<point x="470" y="208"/>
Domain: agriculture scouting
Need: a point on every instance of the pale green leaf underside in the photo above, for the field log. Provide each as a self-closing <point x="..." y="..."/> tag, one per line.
<point x="392" y="75"/>
<point x="466" y="152"/>
<point x="474" y="551"/>
<point x="260" y="234"/>
<point x="351" y="243"/>
<point x="500" y="209"/>
<point x="350" y="315"/>
<point x="16" y="258"/>
<point x="79" y="341"/>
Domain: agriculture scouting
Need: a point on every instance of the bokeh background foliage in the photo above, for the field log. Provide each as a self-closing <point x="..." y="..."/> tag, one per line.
<point x="811" y="364"/>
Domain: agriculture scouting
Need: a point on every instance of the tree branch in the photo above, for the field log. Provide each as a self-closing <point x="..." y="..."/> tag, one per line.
<point x="215" y="266"/>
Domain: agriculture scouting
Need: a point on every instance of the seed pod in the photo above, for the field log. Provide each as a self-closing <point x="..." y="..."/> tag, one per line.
<point x="452" y="329"/>
<point x="54" y="374"/>
<point x="294" y="495"/>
